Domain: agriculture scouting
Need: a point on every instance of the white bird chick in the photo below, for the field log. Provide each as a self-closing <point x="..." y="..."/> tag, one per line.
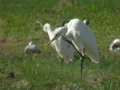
<point x="62" y="47"/>
<point x="31" y="48"/>
<point x="115" y="45"/>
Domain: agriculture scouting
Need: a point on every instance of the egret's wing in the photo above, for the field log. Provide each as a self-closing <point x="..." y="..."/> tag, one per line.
<point x="83" y="37"/>
<point x="88" y="39"/>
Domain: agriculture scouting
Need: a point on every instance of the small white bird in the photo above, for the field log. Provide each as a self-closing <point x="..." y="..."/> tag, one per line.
<point x="31" y="48"/>
<point x="62" y="47"/>
<point x="115" y="45"/>
<point x="81" y="38"/>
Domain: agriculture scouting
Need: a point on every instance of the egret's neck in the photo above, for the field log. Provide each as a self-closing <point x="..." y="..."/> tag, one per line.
<point x="50" y="33"/>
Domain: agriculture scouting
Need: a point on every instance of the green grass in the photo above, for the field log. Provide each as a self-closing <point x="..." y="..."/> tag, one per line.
<point x="44" y="71"/>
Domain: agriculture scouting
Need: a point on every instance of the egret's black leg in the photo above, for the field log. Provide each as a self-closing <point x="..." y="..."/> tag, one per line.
<point x="82" y="60"/>
<point x="81" y="66"/>
<point x="83" y="54"/>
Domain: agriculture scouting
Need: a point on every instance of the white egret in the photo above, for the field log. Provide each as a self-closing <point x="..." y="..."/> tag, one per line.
<point x="82" y="38"/>
<point x="31" y="48"/>
<point x="62" y="47"/>
<point x="115" y="45"/>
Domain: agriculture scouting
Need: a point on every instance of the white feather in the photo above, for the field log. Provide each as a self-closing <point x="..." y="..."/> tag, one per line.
<point x="63" y="48"/>
<point x="82" y="38"/>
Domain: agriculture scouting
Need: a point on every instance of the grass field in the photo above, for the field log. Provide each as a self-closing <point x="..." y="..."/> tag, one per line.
<point x="44" y="71"/>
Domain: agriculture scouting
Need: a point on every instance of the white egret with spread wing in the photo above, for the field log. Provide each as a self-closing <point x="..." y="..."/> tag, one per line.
<point x="80" y="36"/>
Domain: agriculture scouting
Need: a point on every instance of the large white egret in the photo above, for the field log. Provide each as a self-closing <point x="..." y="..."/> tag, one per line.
<point x="81" y="37"/>
<point x="31" y="48"/>
<point x="115" y="45"/>
<point x="62" y="47"/>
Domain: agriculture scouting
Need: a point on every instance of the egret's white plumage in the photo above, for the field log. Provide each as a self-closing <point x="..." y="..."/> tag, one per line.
<point x="82" y="37"/>
<point x="63" y="48"/>
<point x="115" y="45"/>
<point x="31" y="48"/>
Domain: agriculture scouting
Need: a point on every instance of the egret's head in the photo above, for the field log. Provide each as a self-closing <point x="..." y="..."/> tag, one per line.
<point x="86" y="21"/>
<point x="46" y="27"/>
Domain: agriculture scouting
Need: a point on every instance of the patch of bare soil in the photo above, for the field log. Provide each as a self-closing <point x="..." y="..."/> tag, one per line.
<point x="9" y="75"/>
<point x="6" y="45"/>
<point x="20" y="84"/>
<point x="1" y="22"/>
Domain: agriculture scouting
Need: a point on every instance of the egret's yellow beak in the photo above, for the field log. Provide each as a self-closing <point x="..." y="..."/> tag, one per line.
<point x="52" y="39"/>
